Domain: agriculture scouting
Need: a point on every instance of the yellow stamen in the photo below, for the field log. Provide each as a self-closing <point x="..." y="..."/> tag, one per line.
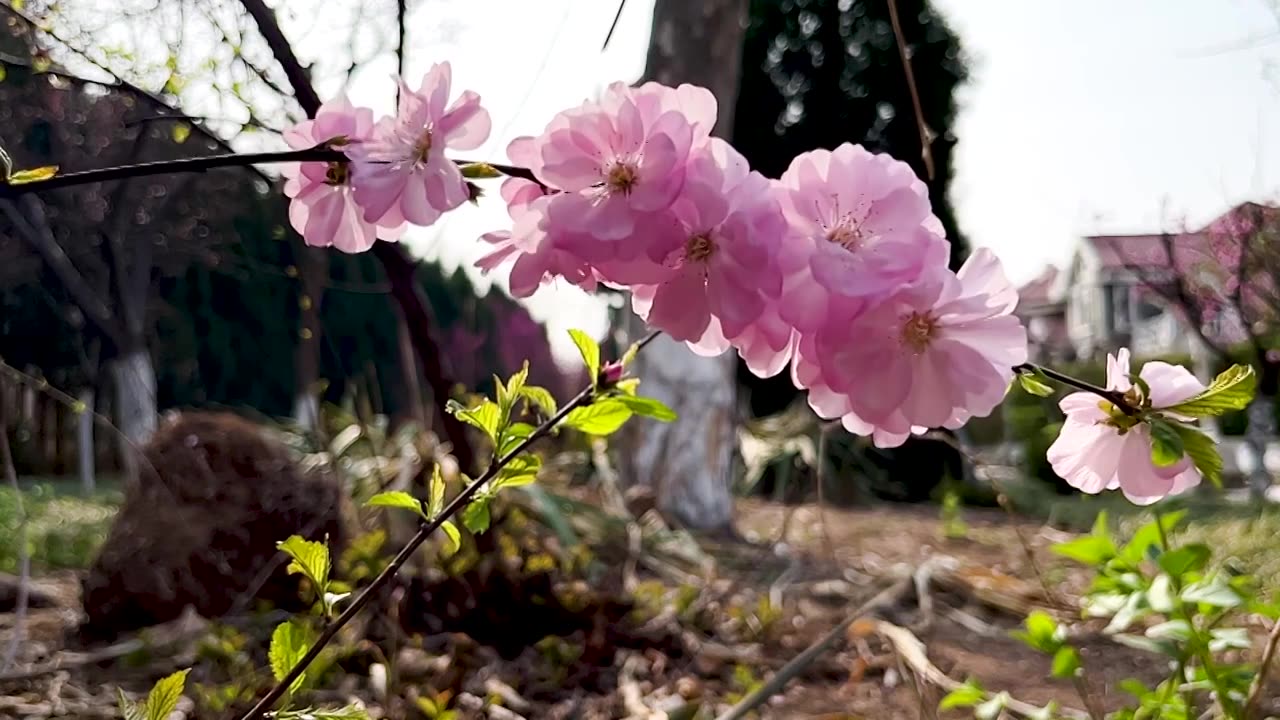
<point x="918" y="330"/>
<point x="699" y="248"/>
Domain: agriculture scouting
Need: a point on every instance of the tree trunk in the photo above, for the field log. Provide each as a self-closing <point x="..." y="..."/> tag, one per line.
<point x="84" y="441"/>
<point x="134" y="379"/>
<point x="313" y="267"/>
<point x="1261" y="421"/>
<point x="689" y="463"/>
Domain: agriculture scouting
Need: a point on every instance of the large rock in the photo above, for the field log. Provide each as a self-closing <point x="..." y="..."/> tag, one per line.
<point x="216" y="494"/>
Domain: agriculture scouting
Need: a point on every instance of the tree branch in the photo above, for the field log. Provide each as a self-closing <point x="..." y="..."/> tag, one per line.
<point x="583" y="398"/>
<point x="298" y="77"/>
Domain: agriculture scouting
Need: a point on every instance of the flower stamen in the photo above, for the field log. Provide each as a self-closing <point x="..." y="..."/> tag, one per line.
<point x="422" y="148"/>
<point x="699" y="248"/>
<point x="337" y="174"/>
<point x="918" y="331"/>
<point x="620" y="178"/>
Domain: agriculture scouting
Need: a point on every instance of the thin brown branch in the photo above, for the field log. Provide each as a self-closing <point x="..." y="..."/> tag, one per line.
<point x="926" y="151"/>
<point x="303" y="90"/>
<point x="1114" y="397"/>
<point x="456" y="505"/>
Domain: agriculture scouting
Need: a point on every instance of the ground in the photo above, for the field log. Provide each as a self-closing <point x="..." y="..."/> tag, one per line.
<point x="768" y="598"/>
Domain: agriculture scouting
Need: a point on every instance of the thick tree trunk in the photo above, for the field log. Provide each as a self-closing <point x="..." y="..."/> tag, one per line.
<point x="689" y="464"/>
<point x="84" y="441"/>
<point x="134" y="379"/>
<point x="1261" y="428"/>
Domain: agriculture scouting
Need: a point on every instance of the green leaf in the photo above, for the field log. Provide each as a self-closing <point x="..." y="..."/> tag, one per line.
<point x="991" y="709"/>
<point x="455" y="537"/>
<point x="6" y="164"/>
<point x="309" y="558"/>
<point x="1213" y="592"/>
<point x="1036" y="383"/>
<point x="590" y="351"/>
<point x="1232" y="390"/>
<point x="476" y="516"/>
<point x="479" y="171"/>
<point x="487" y="416"/>
<point x="164" y="696"/>
<point x="509" y="393"/>
<point x="648" y="407"/>
<point x="1090" y="549"/>
<point x="1066" y="661"/>
<point x="522" y="470"/>
<point x="1159" y="647"/>
<point x="516" y="433"/>
<point x="1203" y="452"/>
<point x="603" y="417"/>
<point x="1188" y="558"/>
<point x="435" y="501"/>
<point x="1148" y="536"/>
<point x="181" y="131"/>
<point x="967" y="695"/>
<point x="1166" y="443"/>
<point x="629" y="356"/>
<point x="627" y="386"/>
<point x="289" y="642"/>
<point x="1041" y="633"/>
<point x="1160" y="595"/>
<point x="1175" y="630"/>
<point x="397" y="499"/>
<point x="33" y="175"/>
<point x="129" y="709"/>
<point x="1222" y="639"/>
<point x="541" y="397"/>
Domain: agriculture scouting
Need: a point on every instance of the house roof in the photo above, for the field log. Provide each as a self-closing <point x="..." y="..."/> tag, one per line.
<point x="1189" y="248"/>
<point x="1041" y="293"/>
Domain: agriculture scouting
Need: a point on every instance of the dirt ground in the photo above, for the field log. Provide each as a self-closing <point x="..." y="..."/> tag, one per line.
<point x="828" y="563"/>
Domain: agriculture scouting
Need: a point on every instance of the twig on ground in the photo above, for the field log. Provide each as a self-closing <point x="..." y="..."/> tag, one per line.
<point x="885" y="598"/>
<point x="1264" y="667"/>
<point x="912" y="651"/>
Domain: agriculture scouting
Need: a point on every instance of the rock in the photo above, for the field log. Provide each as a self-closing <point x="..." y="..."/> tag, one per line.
<point x="215" y="494"/>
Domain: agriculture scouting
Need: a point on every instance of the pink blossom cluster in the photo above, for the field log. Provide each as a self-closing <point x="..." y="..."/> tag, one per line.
<point x="838" y="269"/>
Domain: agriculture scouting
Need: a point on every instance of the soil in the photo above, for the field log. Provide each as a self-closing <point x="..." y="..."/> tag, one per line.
<point x="828" y="563"/>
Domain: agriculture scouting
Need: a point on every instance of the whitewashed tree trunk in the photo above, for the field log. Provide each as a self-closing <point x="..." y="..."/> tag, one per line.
<point x="134" y="378"/>
<point x="84" y="441"/>
<point x="1261" y="421"/>
<point x="690" y="463"/>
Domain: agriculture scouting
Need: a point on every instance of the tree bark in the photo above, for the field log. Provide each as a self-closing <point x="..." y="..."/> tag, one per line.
<point x="312" y="268"/>
<point x="689" y="464"/>
<point x="134" y="379"/>
<point x="84" y="441"/>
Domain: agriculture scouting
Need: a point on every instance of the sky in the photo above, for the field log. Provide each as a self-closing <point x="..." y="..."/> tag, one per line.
<point x="1081" y="116"/>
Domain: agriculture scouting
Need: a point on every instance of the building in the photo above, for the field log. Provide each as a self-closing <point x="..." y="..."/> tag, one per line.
<point x="1124" y="290"/>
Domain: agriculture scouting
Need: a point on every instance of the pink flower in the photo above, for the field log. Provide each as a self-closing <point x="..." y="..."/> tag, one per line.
<point x="725" y="225"/>
<point x="534" y="257"/>
<point x="402" y="173"/>
<point x="933" y="354"/>
<point x="620" y="158"/>
<point x="324" y="208"/>
<point x="1101" y="449"/>
<point x="868" y="220"/>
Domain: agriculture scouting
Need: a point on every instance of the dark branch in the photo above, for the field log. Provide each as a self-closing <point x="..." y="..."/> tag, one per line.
<point x="202" y="164"/>
<point x="303" y="90"/>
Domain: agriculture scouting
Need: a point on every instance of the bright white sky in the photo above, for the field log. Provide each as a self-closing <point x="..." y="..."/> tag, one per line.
<point x="1082" y="116"/>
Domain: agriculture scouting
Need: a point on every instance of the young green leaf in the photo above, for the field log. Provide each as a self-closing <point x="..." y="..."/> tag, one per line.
<point x="1090" y="549"/>
<point x="590" y="351"/>
<point x="33" y="175"/>
<point x="627" y="386"/>
<point x="397" y="499"/>
<point x="648" y="407"/>
<point x="455" y="537"/>
<point x="289" y="642"/>
<point x="522" y="470"/>
<point x="516" y="433"/>
<point x="541" y="397"/>
<point x="1185" y="559"/>
<point x="603" y="417"/>
<point x="479" y="171"/>
<point x="1203" y="452"/>
<point x="966" y="695"/>
<point x="1166" y="443"/>
<point x="1066" y="662"/>
<point x="476" y="515"/>
<point x="164" y="696"/>
<point x="993" y="708"/>
<point x="515" y="385"/>
<point x="1035" y="383"/>
<point x="6" y="165"/>
<point x="1232" y="390"/>
<point x="1042" y="632"/>
<point x="309" y="558"/>
<point x="129" y="710"/>
<point x="1213" y="592"/>
<point x="435" y="500"/>
<point x="487" y="416"/>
